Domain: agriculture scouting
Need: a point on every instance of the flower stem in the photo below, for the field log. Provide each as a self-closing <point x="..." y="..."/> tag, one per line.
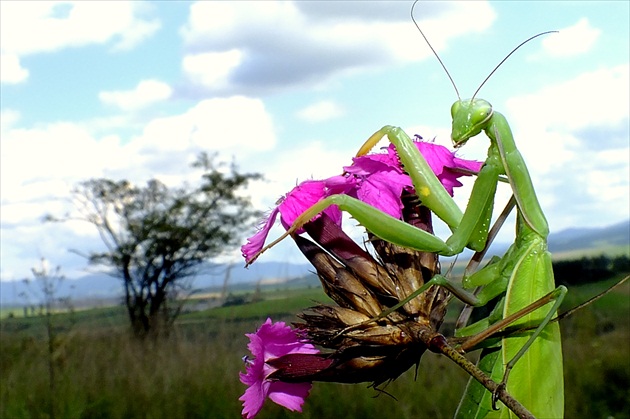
<point x="439" y="344"/>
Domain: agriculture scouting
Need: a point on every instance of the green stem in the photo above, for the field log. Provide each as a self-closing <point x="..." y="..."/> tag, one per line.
<point x="439" y="344"/>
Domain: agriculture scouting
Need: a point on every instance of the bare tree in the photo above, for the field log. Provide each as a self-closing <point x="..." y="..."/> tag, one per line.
<point x="49" y="283"/>
<point x="156" y="236"/>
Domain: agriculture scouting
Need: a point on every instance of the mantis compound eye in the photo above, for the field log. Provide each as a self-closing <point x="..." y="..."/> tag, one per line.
<point x="481" y="111"/>
<point x="455" y="108"/>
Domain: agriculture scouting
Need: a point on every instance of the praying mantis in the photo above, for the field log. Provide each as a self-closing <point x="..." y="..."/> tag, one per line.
<point x="529" y="364"/>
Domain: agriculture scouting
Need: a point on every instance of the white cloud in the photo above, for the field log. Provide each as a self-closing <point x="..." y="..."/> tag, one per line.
<point x="312" y="44"/>
<point x="44" y="26"/>
<point x="32" y="27"/>
<point x="572" y="40"/>
<point x="136" y="33"/>
<point x="598" y="97"/>
<point x="608" y="177"/>
<point x="43" y="163"/>
<point x="8" y="118"/>
<point x="39" y="166"/>
<point x="211" y="69"/>
<point x="321" y="111"/>
<point x="232" y="126"/>
<point x="573" y="136"/>
<point x="146" y="93"/>
<point x="11" y="71"/>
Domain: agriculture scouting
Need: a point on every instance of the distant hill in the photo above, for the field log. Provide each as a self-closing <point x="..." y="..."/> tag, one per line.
<point x="101" y="287"/>
<point x="93" y="288"/>
<point x="589" y="238"/>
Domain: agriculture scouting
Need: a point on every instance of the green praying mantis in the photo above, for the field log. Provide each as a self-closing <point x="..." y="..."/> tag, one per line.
<point x="530" y="363"/>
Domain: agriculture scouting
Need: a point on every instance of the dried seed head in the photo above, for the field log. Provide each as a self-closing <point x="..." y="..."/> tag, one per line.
<point x="355" y="259"/>
<point x="365" y="349"/>
<point x="338" y="282"/>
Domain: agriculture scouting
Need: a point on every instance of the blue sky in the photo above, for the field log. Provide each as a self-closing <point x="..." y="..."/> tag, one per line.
<point x="135" y="90"/>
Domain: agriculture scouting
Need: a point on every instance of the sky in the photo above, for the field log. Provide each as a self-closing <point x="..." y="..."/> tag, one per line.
<point x="135" y="90"/>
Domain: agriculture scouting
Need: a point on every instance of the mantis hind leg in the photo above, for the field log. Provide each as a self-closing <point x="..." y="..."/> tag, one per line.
<point x="558" y="295"/>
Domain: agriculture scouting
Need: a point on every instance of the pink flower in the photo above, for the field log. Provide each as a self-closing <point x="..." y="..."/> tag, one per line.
<point x="444" y="163"/>
<point x="376" y="179"/>
<point x="272" y="341"/>
<point x="290" y="207"/>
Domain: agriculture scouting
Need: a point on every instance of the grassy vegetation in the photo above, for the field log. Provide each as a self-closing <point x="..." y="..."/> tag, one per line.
<point x="596" y="250"/>
<point x="104" y="373"/>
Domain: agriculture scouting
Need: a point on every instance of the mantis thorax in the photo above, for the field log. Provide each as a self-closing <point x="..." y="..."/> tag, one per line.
<point x="470" y="116"/>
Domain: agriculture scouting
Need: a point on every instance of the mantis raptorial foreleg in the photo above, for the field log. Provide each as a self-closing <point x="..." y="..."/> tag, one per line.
<point x="471" y="227"/>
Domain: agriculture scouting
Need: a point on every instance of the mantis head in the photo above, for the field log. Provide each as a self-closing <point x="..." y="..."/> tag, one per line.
<point x="472" y="115"/>
<point x="469" y="118"/>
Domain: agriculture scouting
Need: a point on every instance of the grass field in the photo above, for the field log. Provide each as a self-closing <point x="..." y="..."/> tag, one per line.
<point x="100" y="372"/>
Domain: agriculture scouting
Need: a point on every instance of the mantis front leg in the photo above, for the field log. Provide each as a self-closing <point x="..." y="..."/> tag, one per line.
<point x="470" y="228"/>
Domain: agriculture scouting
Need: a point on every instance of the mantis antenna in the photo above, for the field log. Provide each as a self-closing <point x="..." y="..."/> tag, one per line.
<point x="446" y="70"/>
<point x="506" y="57"/>
<point x="432" y="49"/>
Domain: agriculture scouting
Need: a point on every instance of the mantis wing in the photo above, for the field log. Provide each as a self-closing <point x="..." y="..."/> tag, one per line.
<point x="536" y="379"/>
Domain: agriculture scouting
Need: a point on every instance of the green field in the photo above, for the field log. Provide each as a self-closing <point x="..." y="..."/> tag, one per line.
<point x="100" y="372"/>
